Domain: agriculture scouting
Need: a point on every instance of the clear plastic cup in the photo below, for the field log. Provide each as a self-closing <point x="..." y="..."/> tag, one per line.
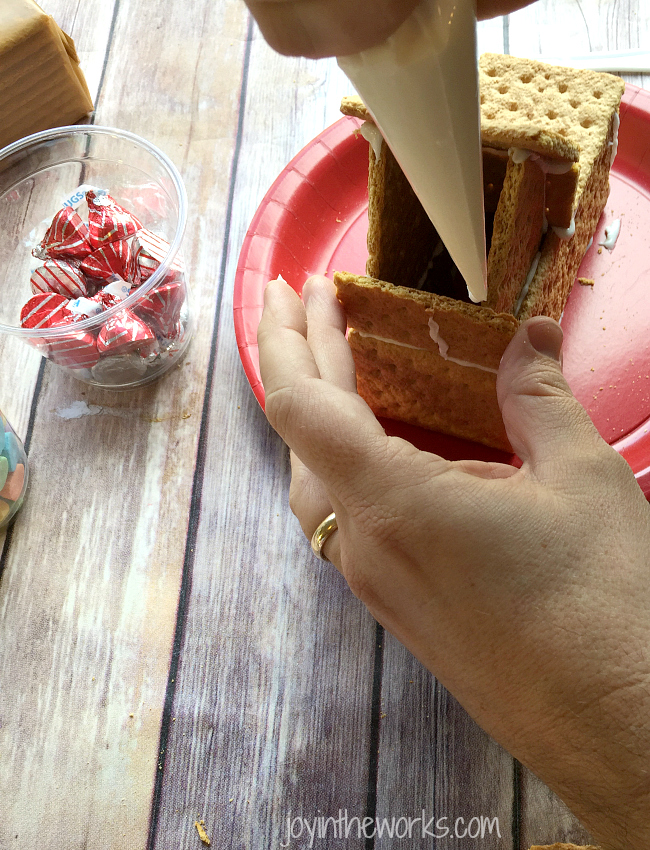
<point x="14" y="472"/>
<point x="38" y="176"/>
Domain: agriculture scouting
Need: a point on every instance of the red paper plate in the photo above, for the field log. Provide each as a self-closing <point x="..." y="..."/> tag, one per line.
<point x="313" y="220"/>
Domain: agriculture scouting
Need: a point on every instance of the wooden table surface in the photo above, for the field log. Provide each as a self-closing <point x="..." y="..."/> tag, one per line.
<point x="170" y="651"/>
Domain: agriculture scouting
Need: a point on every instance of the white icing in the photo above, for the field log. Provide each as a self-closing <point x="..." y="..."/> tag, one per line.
<point x="566" y="232"/>
<point x="611" y="234"/>
<point x="390" y="341"/>
<point x="519" y="155"/>
<point x="78" y="409"/>
<point x="418" y="348"/>
<point x="434" y="333"/>
<point x="616" y="123"/>
<point x="443" y="348"/>
<point x="371" y="134"/>
<point x="548" y="165"/>
<point x="526" y="286"/>
<point x="471" y="365"/>
<point x="421" y="86"/>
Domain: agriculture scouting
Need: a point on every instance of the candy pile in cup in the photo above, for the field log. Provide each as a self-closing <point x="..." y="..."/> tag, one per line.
<point x="90" y="267"/>
<point x="13" y="471"/>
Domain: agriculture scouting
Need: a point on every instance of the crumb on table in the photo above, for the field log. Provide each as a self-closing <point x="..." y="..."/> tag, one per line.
<point x="200" y="828"/>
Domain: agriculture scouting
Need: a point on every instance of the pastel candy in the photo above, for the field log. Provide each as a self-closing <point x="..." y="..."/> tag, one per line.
<point x="12" y="450"/>
<point x="4" y="470"/>
<point x="13" y="486"/>
<point x="4" y="510"/>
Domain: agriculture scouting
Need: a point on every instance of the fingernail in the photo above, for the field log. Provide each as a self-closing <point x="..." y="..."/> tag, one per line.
<point x="269" y="282"/>
<point x="308" y="287"/>
<point x="546" y="338"/>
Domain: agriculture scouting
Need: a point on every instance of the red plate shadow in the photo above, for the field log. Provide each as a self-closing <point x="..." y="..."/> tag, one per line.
<point x="313" y="220"/>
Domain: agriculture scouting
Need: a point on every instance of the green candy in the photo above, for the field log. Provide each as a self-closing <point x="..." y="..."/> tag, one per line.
<point x="4" y="470"/>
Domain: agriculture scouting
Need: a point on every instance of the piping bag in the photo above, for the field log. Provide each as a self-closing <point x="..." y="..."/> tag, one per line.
<point x="421" y="88"/>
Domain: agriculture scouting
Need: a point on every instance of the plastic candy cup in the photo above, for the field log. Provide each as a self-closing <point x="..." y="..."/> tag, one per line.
<point x="91" y="222"/>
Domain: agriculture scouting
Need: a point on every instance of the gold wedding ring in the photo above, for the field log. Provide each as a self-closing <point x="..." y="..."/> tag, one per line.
<point x="318" y="539"/>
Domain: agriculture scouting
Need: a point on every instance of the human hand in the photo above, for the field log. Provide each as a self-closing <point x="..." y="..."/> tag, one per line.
<point x="525" y="591"/>
<point x="317" y="28"/>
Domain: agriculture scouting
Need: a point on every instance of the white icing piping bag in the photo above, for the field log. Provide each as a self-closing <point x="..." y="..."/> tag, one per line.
<point x="421" y="87"/>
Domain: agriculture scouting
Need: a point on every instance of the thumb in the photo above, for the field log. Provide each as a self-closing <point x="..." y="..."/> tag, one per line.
<point x="544" y="421"/>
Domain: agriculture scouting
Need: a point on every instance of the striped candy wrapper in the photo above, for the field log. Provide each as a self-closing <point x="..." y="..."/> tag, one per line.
<point x="162" y="307"/>
<point x="112" y="259"/>
<point x="59" y="276"/>
<point x="149" y="250"/>
<point x="44" y="310"/>
<point x="76" y="350"/>
<point x="108" y="221"/>
<point x="67" y="236"/>
<point x="125" y="332"/>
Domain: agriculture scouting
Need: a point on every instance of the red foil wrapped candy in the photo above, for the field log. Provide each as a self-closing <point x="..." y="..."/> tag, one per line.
<point x="67" y="236"/>
<point x="125" y="332"/>
<point x="76" y="350"/>
<point x="108" y="221"/>
<point x="113" y="258"/>
<point x="114" y="292"/>
<point x="44" y="310"/>
<point x="149" y="251"/>
<point x="59" y="276"/>
<point x="162" y="307"/>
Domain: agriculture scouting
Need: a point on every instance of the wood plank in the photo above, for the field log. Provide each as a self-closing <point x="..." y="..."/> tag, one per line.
<point x="564" y="28"/>
<point x="435" y="762"/>
<point x="544" y="819"/>
<point x="90" y="589"/>
<point x="89" y="23"/>
<point x="273" y="691"/>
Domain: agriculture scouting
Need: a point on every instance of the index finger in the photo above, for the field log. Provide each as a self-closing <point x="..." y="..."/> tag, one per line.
<point x="330" y="428"/>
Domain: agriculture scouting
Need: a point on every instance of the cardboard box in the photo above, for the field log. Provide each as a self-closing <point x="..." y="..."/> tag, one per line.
<point x="41" y="83"/>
